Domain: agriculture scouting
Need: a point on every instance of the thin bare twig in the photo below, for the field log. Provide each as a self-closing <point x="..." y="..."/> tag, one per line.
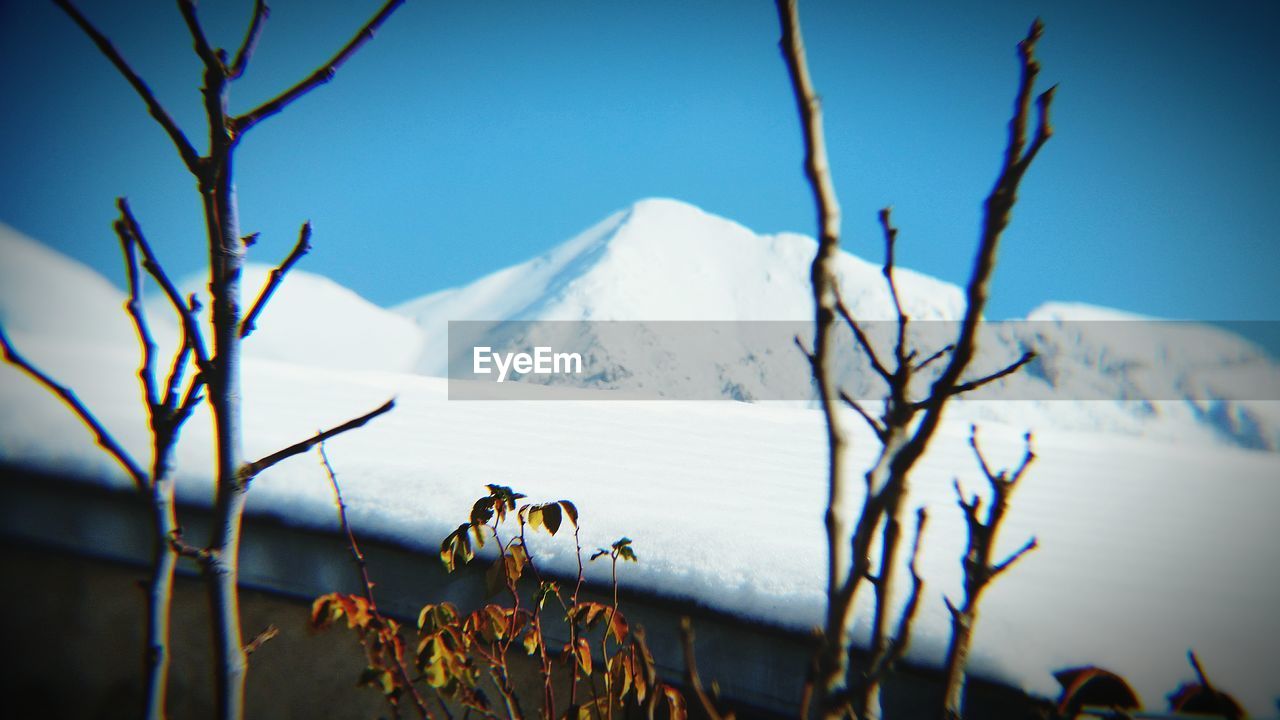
<point x="1027" y="547"/>
<point x="128" y="225"/>
<point x="933" y="358"/>
<point x="902" y="637"/>
<point x="251" y="470"/>
<point x="691" y="672"/>
<point x="203" y="556"/>
<point x="890" y="243"/>
<point x="979" y="570"/>
<point x="260" y="14"/>
<point x="185" y="149"/>
<point x="876" y="427"/>
<point x="863" y="341"/>
<point x="179" y="367"/>
<point x="302" y="247"/>
<point x="261" y="638"/>
<point x="1010" y="369"/>
<point x="367" y="582"/>
<point x="321" y="76"/>
<point x="104" y="438"/>
<point x="206" y="52"/>
<point x="133" y="306"/>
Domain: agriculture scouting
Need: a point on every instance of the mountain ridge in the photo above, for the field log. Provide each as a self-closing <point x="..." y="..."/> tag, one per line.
<point x="662" y="259"/>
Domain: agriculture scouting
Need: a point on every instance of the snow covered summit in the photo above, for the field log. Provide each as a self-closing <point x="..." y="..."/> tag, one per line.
<point x="665" y="260"/>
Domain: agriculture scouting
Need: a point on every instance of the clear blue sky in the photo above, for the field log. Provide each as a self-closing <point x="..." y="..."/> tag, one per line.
<point x="469" y="136"/>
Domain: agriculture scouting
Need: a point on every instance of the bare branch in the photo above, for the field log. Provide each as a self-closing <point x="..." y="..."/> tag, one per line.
<point x="1027" y="457"/>
<point x="979" y="570"/>
<point x="890" y="241"/>
<point x="211" y="58"/>
<point x="982" y="460"/>
<point x="1027" y="547"/>
<point x="260" y="14"/>
<point x="146" y="373"/>
<point x="863" y="341"/>
<point x="808" y="355"/>
<point x="876" y="427"/>
<point x="367" y="582"/>
<point x="969" y="507"/>
<point x="302" y="247"/>
<point x="352" y="545"/>
<point x="997" y="213"/>
<point x="935" y="397"/>
<point x="321" y="76"/>
<point x="809" y="105"/>
<point x="258" y="640"/>
<point x="1199" y="670"/>
<point x="933" y="358"/>
<point x="188" y="152"/>
<point x="902" y="637"/>
<point x="189" y="402"/>
<point x="691" y="672"/>
<point x="104" y="438"/>
<point x="178" y="369"/>
<point x="251" y="470"/>
<point x="129" y="225"/>
<point x="1012" y="368"/>
<point x="951" y="607"/>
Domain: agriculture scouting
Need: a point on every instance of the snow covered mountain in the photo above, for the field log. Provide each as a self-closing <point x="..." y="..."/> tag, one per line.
<point x="665" y="260"/>
<point x="311" y="320"/>
<point x="1097" y="370"/>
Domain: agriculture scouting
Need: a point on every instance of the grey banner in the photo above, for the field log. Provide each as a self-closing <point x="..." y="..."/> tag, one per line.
<point x="764" y="361"/>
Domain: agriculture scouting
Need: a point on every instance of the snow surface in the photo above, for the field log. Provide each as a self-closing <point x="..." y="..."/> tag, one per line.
<point x="1148" y="547"/>
<point x="667" y="260"/>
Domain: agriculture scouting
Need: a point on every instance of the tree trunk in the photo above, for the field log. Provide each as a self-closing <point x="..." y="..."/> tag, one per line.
<point x="957" y="659"/>
<point x="160" y="589"/>
<point x="226" y="260"/>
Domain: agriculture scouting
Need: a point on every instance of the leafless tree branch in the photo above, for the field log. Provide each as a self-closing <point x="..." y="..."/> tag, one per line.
<point x="366" y="581"/>
<point x="188" y="152"/>
<point x="302" y="247"/>
<point x="832" y="660"/>
<point x="1010" y="369"/>
<point x="251" y="470"/>
<point x="876" y="427"/>
<point x="979" y="569"/>
<point x="260" y="14"/>
<point x="808" y="354"/>
<point x="1027" y="547"/>
<point x="261" y="638"/>
<point x="128" y="225"/>
<point x="890" y="241"/>
<point x="933" y="358"/>
<point x="324" y="74"/>
<point x="133" y="306"/>
<point x="202" y="556"/>
<point x="863" y="341"/>
<point x="203" y="48"/>
<point x="104" y="438"/>
<point x="902" y="636"/>
<point x="191" y="397"/>
<point x="692" y="677"/>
